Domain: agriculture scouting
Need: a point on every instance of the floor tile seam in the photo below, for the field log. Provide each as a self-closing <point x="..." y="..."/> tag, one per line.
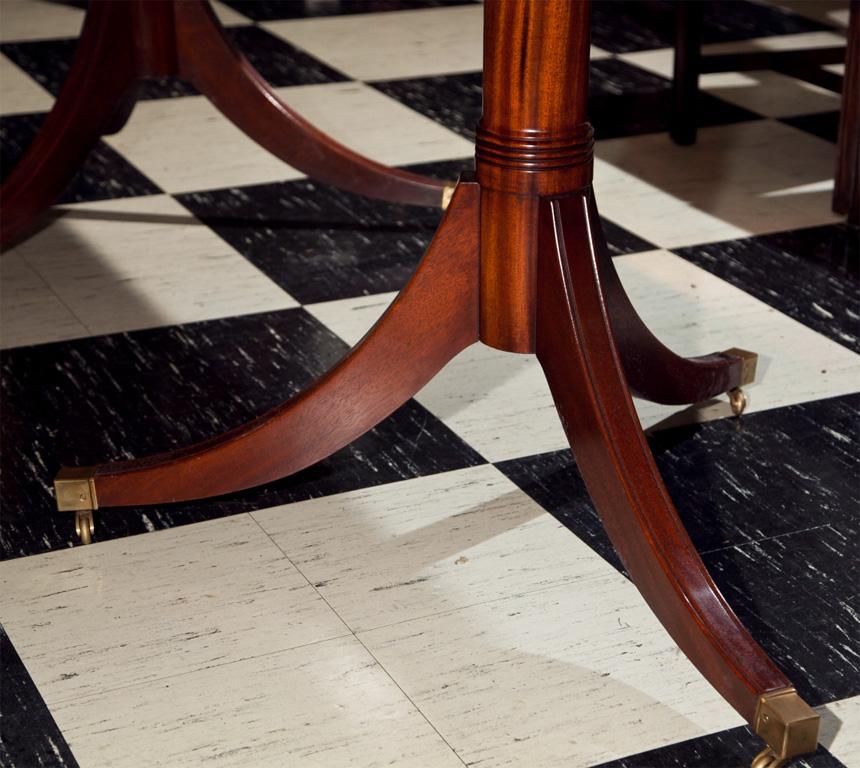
<point x="764" y="539"/>
<point x="353" y="634"/>
<point x="63" y="302"/>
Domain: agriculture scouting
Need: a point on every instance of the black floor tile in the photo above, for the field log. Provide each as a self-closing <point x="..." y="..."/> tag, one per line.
<point x="82" y="402"/>
<point x="771" y="503"/>
<point x="733" y="748"/>
<point x="319" y="243"/>
<point x="452" y="100"/>
<point x="280" y="63"/>
<point x="48" y="62"/>
<point x="624" y="100"/>
<point x="28" y="734"/>
<point x="622" y="26"/>
<point x="621" y="241"/>
<point x="734" y="482"/>
<point x="808" y="274"/>
<point x="825" y="125"/>
<point x="104" y="175"/>
<point x="271" y="10"/>
<point x="799" y="596"/>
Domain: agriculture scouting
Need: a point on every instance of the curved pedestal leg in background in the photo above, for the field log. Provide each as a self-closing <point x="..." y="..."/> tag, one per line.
<point x="654" y="372"/>
<point x="123" y="41"/>
<point x="220" y="72"/>
<point x="95" y="100"/>
<point x="576" y="348"/>
<point x="433" y="318"/>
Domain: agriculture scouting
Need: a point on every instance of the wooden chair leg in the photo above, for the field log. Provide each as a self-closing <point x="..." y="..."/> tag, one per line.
<point x="95" y="100"/>
<point x="689" y="18"/>
<point x="219" y="71"/>
<point x="576" y="348"/>
<point x="434" y="317"/>
<point x="653" y="371"/>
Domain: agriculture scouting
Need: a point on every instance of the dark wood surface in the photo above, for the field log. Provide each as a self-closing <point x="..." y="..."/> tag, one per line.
<point x="431" y="320"/>
<point x="518" y="262"/>
<point x="125" y="41"/>
<point x="846" y="193"/>
<point x="576" y="348"/>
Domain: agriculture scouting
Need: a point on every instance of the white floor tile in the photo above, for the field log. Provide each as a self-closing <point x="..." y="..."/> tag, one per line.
<point x="30" y="312"/>
<point x="141" y="262"/>
<point x="326" y="705"/>
<point x="384" y="46"/>
<point x="37" y="20"/>
<point x="840" y="730"/>
<point x="228" y="15"/>
<point x="500" y="404"/>
<point x="418" y="547"/>
<point x="162" y="138"/>
<point x="737" y="180"/>
<point x="91" y="619"/>
<point x="794" y="42"/>
<point x="575" y="675"/>
<point x="20" y="93"/>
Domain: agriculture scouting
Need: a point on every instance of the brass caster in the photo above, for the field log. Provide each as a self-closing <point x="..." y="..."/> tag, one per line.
<point x="738" y="401"/>
<point x="85" y="526"/>
<point x="75" y="490"/>
<point x="767" y="758"/>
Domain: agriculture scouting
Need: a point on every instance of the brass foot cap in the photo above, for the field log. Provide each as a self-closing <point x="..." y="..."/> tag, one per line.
<point x="75" y="489"/>
<point x="788" y="725"/>
<point x="749" y="360"/>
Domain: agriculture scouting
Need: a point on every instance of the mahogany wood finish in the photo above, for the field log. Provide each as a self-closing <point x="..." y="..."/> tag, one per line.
<point x="125" y="41"/>
<point x="518" y="262"/>
<point x="576" y="348"/>
<point x="433" y="318"/>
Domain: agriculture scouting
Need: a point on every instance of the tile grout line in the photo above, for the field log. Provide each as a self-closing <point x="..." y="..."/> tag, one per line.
<point x="359" y="641"/>
<point x="59" y="298"/>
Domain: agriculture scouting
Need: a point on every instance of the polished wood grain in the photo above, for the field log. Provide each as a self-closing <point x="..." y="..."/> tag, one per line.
<point x="518" y="262"/>
<point x="433" y="318"/>
<point x="95" y="101"/>
<point x="576" y="347"/>
<point x="532" y="140"/>
<point x="124" y="41"/>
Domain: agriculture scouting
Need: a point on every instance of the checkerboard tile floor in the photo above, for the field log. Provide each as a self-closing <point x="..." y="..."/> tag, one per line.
<point x="439" y="593"/>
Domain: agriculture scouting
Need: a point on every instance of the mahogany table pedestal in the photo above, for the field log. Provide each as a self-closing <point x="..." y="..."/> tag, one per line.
<point x="125" y="41"/>
<point x="519" y="262"/>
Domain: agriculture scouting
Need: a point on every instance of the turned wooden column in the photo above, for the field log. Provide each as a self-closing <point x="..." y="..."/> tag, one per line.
<point x="534" y="140"/>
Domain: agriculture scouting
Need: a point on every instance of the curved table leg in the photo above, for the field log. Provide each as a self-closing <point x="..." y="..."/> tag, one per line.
<point x="434" y="317"/>
<point x="220" y="72"/>
<point x="576" y="348"/>
<point x="96" y="99"/>
<point x="654" y="372"/>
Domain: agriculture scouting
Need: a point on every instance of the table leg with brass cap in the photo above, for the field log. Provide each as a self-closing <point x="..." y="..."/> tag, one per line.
<point x="520" y="262"/>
